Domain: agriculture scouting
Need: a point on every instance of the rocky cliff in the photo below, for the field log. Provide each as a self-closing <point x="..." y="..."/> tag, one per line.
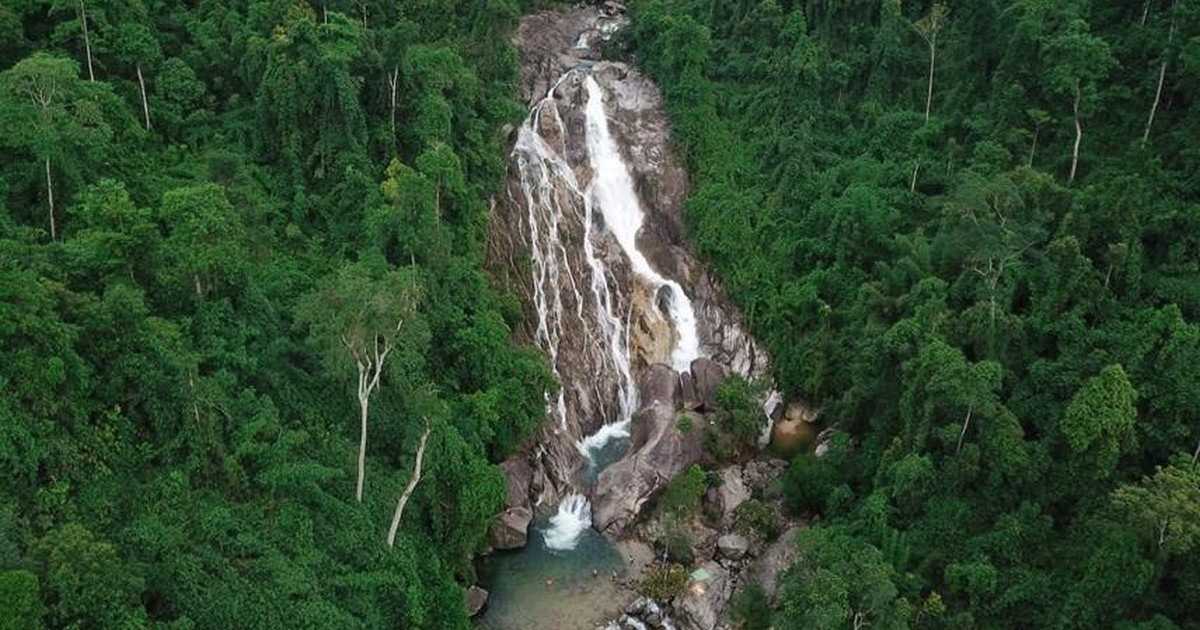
<point x="610" y="314"/>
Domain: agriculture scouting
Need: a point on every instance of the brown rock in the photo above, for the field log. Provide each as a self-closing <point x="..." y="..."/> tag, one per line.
<point x="511" y="529"/>
<point x="518" y="476"/>
<point x="708" y="375"/>
<point x="687" y="392"/>
<point x="657" y="452"/>
<point x="475" y="598"/>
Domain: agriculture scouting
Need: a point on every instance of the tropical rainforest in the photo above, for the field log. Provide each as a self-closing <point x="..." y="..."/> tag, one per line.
<point x="254" y="374"/>
<point x="241" y="299"/>
<point x="968" y="232"/>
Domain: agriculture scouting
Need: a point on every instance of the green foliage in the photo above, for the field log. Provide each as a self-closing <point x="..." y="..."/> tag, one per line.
<point x="664" y="583"/>
<point x="750" y="608"/>
<point x="993" y="302"/>
<point x="19" y="599"/>
<point x="1099" y="422"/>
<point x="756" y="519"/>
<point x="807" y="484"/>
<point x="739" y="413"/>
<point x="682" y="494"/>
<point x="172" y="453"/>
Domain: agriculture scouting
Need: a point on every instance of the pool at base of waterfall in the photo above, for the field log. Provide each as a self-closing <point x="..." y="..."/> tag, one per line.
<point x="540" y="588"/>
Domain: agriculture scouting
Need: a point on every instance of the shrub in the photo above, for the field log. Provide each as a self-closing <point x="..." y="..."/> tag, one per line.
<point x="756" y="519"/>
<point x="807" y="483"/>
<point x="739" y="413"/>
<point x="750" y="608"/>
<point x="683" y="492"/>
<point x="664" y="583"/>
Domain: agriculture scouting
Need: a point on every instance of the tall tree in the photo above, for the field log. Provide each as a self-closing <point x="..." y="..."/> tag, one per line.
<point x="359" y="315"/>
<point x="47" y="110"/>
<point x="928" y="28"/>
<point x="1077" y="60"/>
<point x="1099" y="422"/>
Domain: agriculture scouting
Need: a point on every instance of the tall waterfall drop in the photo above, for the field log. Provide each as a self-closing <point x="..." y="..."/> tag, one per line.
<point x="613" y="190"/>
<point x="607" y="208"/>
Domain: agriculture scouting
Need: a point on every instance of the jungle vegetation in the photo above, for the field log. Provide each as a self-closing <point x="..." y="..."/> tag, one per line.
<point x="968" y="233"/>
<point x="243" y="311"/>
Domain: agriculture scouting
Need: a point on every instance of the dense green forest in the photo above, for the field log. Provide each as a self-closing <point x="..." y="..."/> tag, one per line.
<point x="230" y="232"/>
<point x="969" y="234"/>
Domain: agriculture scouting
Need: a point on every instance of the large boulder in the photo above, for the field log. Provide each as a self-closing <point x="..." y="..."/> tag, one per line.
<point x="658" y="450"/>
<point x="733" y="546"/>
<point x="778" y="556"/>
<point x="708" y="375"/>
<point x="687" y="385"/>
<point x="703" y="604"/>
<point x="511" y="529"/>
<point x="475" y="598"/>
<point x="732" y="492"/>
<point x="518" y="476"/>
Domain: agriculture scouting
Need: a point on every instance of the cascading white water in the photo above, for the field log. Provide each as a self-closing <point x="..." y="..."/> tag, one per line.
<point x="573" y="517"/>
<point x="554" y="199"/>
<point x="613" y="191"/>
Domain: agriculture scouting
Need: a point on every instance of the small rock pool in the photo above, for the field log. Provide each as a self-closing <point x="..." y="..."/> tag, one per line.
<point x="540" y="588"/>
<point x="568" y="576"/>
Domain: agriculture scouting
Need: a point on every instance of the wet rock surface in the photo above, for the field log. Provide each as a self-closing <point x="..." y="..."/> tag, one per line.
<point x="658" y="450"/>
<point x="511" y="529"/>
<point x="559" y="49"/>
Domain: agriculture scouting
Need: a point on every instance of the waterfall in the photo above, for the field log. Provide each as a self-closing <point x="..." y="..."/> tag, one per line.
<point x="613" y="190"/>
<point x="555" y="202"/>
<point x="573" y="517"/>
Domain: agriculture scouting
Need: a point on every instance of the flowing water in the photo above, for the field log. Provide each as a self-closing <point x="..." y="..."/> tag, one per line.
<point x="566" y="577"/>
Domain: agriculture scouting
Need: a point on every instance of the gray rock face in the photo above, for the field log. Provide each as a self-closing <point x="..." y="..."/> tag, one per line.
<point x="658" y="451"/>
<point x="552" y="44"/>
<point x="733" y="546"/>
<point x="700" y="609"/>
<point x="475" y="598"/>
<point x="708" y="376"/>
<point x="732" y="492"/>
<point x="759" y="474"/>
<point x="511" y="530"/>
<point x="778" y="556"/>
<point x="518" y="477"/>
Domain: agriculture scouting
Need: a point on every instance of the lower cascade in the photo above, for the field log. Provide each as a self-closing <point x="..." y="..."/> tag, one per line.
<point x="573" y="517"/>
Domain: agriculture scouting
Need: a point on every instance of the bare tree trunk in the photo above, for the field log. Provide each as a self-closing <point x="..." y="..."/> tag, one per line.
<point x="1196" y="455"/>
<point x="50" y="200"/>
<point x="1078" y="135"/>
<point x="412" y="485"/>
<point x="1145" y="12"/>
<point x="1162" y="75"/>
<point x="1033" y="148"/>
<point x="364" y="403"/>
<point x="929" y="91"/>
<point x="145" y="105"/>
<point x="966" y="423"/>
<point x="393" y="82"/>
<point x="912" y="185"/>
<point x="199" y="286"/>
<point x="87" y="42"/>
<point x="370" y="368"/>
